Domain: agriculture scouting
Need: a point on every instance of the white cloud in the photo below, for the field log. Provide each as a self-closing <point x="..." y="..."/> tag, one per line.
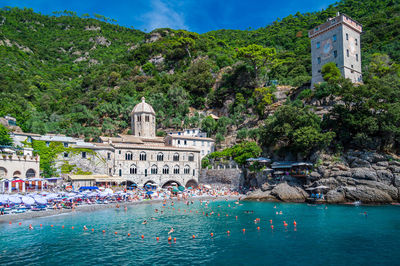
<point x="163" y="15"/>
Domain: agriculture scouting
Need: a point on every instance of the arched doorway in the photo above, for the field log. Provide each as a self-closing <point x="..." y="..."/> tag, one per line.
<point x="17" y="174"/>
<point x="171" y="183"/>
<point x="192" y="183"/>
<point x="3" y="172"/>
<point x="150" y="185"/>
<point x="30" y="173"/>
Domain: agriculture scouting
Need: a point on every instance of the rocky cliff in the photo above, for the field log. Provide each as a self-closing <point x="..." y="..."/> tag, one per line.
<point x="368" y="177"/>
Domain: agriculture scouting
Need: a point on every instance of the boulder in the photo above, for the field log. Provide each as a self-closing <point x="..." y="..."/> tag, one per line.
<point x="367" y="195"/>
<point x="383" y="163"/>
<point x="395" y="169"/>
<point x="372" y="157"/>
<point x="385" y="176"/>
<point x="391" y="190"/>
<point x="334" y="196"/>
<point x="364" y="173"/>
<point x="396" y="180"/>
<point x="288" y="193"/>
<point x="395" y="163"/>
<point x="315" y="176"/>
<point x="328" y="182"/>
<point x="359" y="163"/>
<point x="260" y="195"/>
<point x="340" y="173"/>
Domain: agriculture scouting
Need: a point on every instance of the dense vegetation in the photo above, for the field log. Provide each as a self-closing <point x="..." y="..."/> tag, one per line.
<point x="82" y="76"/>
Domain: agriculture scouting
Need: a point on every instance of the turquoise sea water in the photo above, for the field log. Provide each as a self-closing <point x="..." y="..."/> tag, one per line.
<point x="339" y="235"/>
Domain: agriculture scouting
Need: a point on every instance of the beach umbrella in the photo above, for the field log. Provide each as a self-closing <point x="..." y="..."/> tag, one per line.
<point x="40" y="200"/>
<point x="149" y="192"/>
<point x="14" y="199"/>
<point x="52" y="196"/>
<point x="71" y="194"/>
<point x="190" y="188"/>
<point x="175" y="190"/>
<point x="108" y="191"/>
<point x="207" y="186"/>
<point x="4" y="198"/>
<point x="28" y="200"/>
<point x="181" y="188"/>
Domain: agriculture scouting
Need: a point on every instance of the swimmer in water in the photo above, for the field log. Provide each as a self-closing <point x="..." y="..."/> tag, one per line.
<point x="156" y="210"/>
<point x="117" y="206"/>
<point x="85" y="228"/>
<point x="171" y="231"/>
<point x="30" y="227"/>
<point x="280" y="212"/>
<point x="153" y="218"/>
<point x="126" y="208"/>
<point x="275" y="207"/>
<point x="144" y="222"/>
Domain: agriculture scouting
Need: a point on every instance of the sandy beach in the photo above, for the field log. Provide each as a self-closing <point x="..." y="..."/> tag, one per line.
<point x="95" y="207"/>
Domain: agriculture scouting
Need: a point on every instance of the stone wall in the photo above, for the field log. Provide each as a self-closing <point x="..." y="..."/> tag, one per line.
<point x="231" y="177"/>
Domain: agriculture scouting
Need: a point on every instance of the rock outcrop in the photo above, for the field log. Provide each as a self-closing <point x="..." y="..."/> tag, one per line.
<point x="369" y="177"/>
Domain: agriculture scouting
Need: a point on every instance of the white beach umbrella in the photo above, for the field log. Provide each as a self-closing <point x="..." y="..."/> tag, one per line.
<point x="14" y="199"/>
<point x="4" y="198"/>
<point x="41" y="200"/>
<point x="109" y="191"/>
<point x="71" y="194"/>
<point x="52" y="196"/>
<point x="207" y="186"/>
<point x="28" y="200"/>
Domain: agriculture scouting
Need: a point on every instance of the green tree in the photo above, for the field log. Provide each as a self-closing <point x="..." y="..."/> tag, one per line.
<point x="5" y="138"/>
<point x="208" y="125"/>
<point x="330" y="72"/>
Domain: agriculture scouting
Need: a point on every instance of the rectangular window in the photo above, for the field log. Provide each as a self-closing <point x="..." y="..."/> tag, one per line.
<point x="318" y="45"/>
<point x="120" y="172"/>
<point x="109" y="156"/>
<point x="83" y="155"/>
<point x="347" y="53"/>
<point x="334" y="38"/>
<point x="188" y="131"/>
<point x="179" y="142"/>
<point x="319" y="60"/>
<point x="357" y="57"/>
<point x="109" y="171"/>
<point x="145" y="172"/>
<point x="185" y="142"/>
<point x="335" y="53"/>
<point x="356" y="42"/>
<point x="347" y="36"/>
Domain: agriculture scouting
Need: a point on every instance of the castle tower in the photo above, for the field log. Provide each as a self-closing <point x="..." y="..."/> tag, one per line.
<point x="338" y="41"/>
<point x="143" y="120"/>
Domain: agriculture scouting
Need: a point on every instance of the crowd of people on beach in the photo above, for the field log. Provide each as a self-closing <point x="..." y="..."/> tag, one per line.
<point x="58" y="200"/>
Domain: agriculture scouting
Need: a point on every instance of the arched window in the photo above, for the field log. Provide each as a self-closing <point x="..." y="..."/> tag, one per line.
<point x="17" y="174"/>
<point x="30" y="173"/>
<point x="176" y="157"/>
<point x="154" y="169"/>
<point x="176" y="169"/>
<point x="186" y="170"/>
<point x="3" y="172"/>
<point x="128" y="156"/>
<point x="165" y="170"/>
<point x="191" y="157"/>
<point x="133" y="169"/>
<point x="142" y="156"/>
<point x="160" y="157"/>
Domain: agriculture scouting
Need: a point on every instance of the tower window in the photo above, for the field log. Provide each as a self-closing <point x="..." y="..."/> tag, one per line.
<point x="319" y="60"/>
<point x="347" y="36"/>
<point x="357" y="57"/>
<point x="356" y="41"/>
<point x="335" y="53"/>
<point x="318" y="45"/>
<point x="334" y="37"/>
<point x="347" y="52"/>
<point x="147" y="118"/>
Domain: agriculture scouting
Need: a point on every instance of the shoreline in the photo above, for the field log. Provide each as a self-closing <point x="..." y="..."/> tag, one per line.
<point x="96" y="207"/>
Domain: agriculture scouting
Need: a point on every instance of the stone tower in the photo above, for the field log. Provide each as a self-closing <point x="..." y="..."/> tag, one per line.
<point x="338" y="41"/>
<point x="143" y="120"/>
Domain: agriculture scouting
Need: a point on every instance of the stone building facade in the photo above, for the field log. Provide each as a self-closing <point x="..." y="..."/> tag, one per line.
<point x="19" y="166"/>
<point x="338" y="41"/>
<point x="140" y="158"/>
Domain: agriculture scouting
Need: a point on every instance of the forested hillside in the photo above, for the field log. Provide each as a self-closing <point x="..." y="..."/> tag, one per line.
<point x="81" y="76"/>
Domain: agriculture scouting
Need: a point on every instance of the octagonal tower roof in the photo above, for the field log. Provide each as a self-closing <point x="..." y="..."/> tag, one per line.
<point x="143" y="107"/>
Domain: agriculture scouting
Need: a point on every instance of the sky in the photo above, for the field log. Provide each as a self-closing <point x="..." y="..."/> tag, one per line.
<point x="194" y="15"/>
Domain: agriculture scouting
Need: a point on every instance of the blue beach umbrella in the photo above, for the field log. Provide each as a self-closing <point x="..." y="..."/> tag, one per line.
<point x="149" y="192"/>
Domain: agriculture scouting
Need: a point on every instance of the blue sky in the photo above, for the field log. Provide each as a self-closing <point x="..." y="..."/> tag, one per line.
<point x="194" y="15"/>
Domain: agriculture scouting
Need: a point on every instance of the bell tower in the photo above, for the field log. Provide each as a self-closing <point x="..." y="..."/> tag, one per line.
<point x="143" y="120"/>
